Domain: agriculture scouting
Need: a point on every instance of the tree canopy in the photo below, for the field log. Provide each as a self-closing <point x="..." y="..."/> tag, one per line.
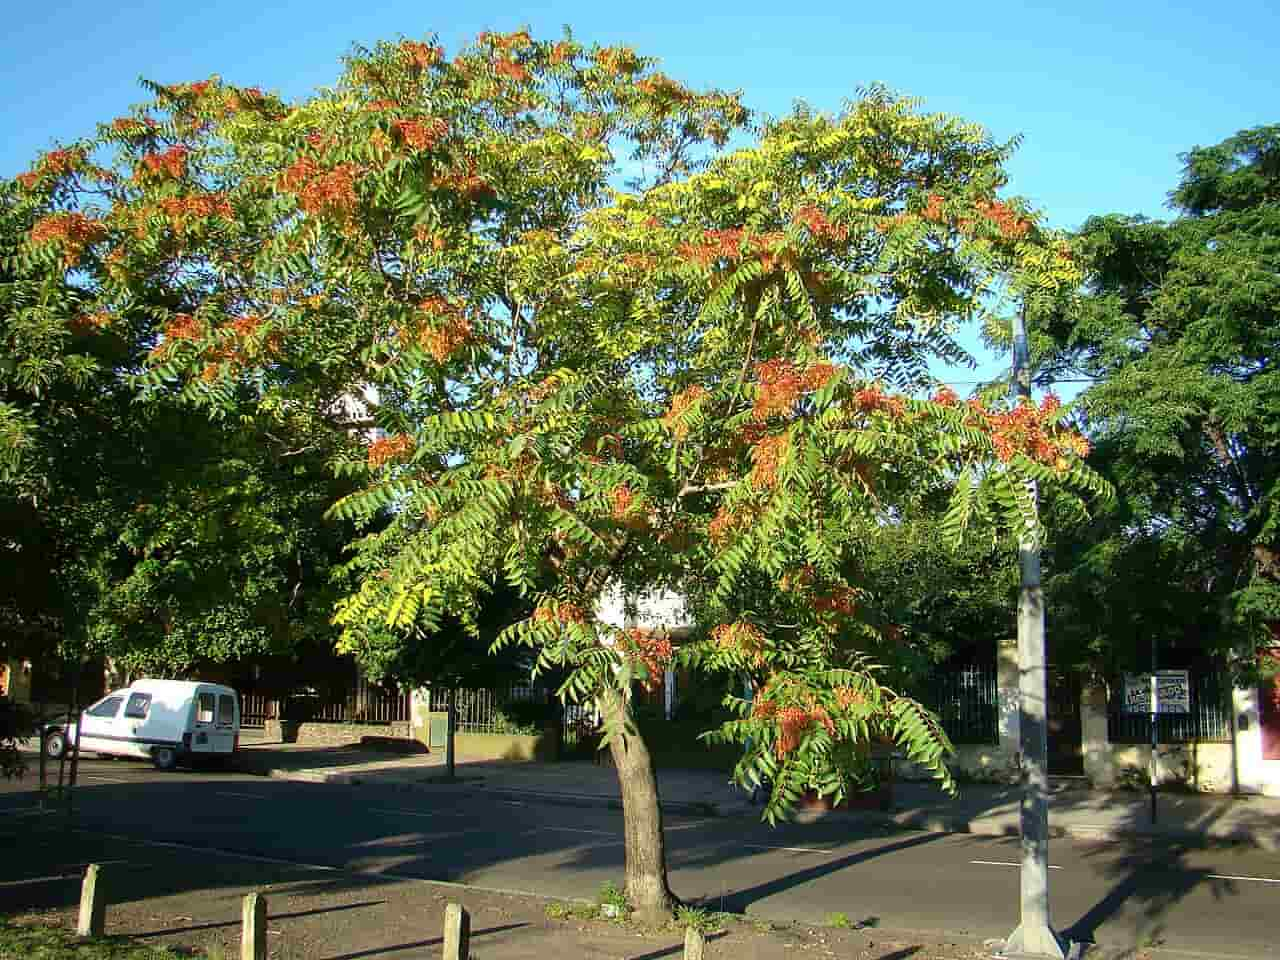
<point x="1180" y="330"/>
<point x="580" y="324"/>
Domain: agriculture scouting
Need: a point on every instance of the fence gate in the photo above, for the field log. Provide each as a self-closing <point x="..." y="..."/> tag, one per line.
<point x="1065" y="731"/>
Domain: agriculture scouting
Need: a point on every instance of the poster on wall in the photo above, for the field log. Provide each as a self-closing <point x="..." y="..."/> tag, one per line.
<point x="1173" y="692"/>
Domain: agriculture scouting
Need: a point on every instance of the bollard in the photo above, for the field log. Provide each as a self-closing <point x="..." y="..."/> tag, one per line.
<point x="694" y="943"/>
<point x="93" y="904"/>
<point x="253" y="927"/>
<point x="457" y="932"/>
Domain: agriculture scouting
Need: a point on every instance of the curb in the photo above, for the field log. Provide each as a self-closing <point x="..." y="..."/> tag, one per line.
<point x="681" y="807"/>
<point x="1268" y="840"/>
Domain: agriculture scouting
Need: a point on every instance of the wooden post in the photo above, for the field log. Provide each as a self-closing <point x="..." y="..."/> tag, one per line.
<point x="93" y="904"/>
<point x="253" y="927"/>
<point x="695" y="942"/>
<point x="457" y="932"/>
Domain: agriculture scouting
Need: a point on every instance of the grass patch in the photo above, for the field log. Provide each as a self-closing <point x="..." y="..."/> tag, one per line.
<point x="701" y="919"/>
<point x="39" y="942"/>
<point x="840" y="921"/>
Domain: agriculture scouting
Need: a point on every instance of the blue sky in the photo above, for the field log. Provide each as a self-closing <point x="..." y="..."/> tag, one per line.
<point x="1105" y="95"/>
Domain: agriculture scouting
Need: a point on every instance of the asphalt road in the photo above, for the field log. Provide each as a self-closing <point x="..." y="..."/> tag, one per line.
<point x="1221" y="901"/>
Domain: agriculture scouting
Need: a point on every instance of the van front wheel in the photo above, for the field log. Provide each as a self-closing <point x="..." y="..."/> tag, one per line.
<point x="165" y="758"/>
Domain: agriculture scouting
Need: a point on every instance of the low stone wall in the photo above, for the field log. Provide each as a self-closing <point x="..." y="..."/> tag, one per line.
<point x="987" y="763"/>
<point x="505" y="746"/>
<point x="320" y="734"/>
<point x="1205" y="767"/>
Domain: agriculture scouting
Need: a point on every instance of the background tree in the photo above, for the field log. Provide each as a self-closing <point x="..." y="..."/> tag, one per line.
<point x="134" y="530"/>
<point x="600" y="351"/>
<point x="1180" y="330"/>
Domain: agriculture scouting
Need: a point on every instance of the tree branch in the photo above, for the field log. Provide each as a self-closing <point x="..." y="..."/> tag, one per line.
<point x="689" y="488"/>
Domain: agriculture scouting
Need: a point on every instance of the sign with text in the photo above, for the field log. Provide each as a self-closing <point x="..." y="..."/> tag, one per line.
<point x="1173" y="692"/>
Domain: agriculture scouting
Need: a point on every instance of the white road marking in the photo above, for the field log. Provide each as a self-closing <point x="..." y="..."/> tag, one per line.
<point x="231" y="854"/>
<point x="594" y="833"/>
<point x="20" y="883"/>
<point x="354" y="871"/>
<point x="1219" y="876"/>
<point x="513" y="803"/>
<point x="419" y="813"/>
<point x="1004" y="863"/>
<point x="238" y="796"/>
<point x="688" y="826"/>
<point x="90" y="776"/>
<point x="768" y="846"/>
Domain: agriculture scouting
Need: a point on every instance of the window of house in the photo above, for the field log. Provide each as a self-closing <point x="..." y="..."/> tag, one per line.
<point x="107" y="708"/>
<point x="226" y="710"/>
<point x="205" y="703"/>
<point x="138" y="707"/>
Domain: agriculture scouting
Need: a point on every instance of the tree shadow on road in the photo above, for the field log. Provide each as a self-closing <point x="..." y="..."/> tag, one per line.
<point x="419" y="944"/>
<point x="1150" y="879"/>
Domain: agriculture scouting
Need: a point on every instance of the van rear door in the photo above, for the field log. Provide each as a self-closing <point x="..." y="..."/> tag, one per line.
<point x="226" y="723"/>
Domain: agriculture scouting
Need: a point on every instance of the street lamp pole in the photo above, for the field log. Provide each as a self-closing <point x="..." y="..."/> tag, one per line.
<point x="1034" y="937"/>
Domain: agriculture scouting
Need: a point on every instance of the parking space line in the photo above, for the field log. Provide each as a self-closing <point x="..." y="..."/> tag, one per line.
<point x="1004" y="863"/>
<point x="1220" y="876"/>
<point x="689" y="826"/>
<point x="426" y="815"/>
<point x="32" y="880"/>
<point x="770" y="846"/>
<point x="594" y="833"/>
<point x="238" y="796"/>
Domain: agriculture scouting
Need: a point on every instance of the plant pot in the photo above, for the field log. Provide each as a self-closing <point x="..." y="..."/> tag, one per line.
<point x="881" y="798"/>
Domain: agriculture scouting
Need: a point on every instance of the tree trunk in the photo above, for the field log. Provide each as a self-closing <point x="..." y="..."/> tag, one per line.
<point x="646" y="871"/>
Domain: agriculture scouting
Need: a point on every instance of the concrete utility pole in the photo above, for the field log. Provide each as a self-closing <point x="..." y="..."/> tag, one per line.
<point x="1033" y="937"/>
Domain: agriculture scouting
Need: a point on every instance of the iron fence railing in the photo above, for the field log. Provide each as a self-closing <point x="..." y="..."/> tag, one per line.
<point x="256" y="709"/>
<point x="966" y="700"/>
<point x="484" y="711"/>
<point x="361" y="702"/>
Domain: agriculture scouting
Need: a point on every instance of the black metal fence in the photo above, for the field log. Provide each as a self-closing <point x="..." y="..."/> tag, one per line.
<point x="256" y="709"/>
<point x="481" y="711"/>
<point x="965" y="698"/>
<point x="1208" y="722"/>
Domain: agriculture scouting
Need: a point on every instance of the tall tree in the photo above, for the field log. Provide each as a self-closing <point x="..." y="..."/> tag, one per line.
<point x="1181" y="332"/>
<point x="599" y="350"/>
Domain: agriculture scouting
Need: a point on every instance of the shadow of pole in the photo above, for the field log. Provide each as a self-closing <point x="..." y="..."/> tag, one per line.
<point x="379" y="951"/>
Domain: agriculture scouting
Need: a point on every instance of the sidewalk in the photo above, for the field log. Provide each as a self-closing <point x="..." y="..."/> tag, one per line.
<point x="979" y="808"/>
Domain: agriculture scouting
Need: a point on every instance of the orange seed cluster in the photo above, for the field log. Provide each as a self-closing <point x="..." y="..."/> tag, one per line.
<point x="420" y="134"/>
<point x="171" y="163"/>
<point x="742" y="638"/>
<point x="680" y="403"/>
<point x="73" y="230"/>
<point x="385" y="449"/>
<point x="766" y="457"/>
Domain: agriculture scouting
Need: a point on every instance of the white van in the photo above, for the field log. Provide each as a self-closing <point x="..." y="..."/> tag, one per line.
<point x="165" y="720"/>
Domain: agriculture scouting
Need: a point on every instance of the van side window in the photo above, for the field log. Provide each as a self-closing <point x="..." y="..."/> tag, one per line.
<point x="204" y="708"/>
<point x="138" y="706"/>
<point x="107" y="708"/>
<point x="226" y="710"/>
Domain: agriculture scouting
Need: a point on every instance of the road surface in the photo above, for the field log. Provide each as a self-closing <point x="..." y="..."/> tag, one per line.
<point x="1221" y="901"/>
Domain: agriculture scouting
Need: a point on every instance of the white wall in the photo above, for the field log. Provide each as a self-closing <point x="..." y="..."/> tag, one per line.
<point x="654" y="609"/>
